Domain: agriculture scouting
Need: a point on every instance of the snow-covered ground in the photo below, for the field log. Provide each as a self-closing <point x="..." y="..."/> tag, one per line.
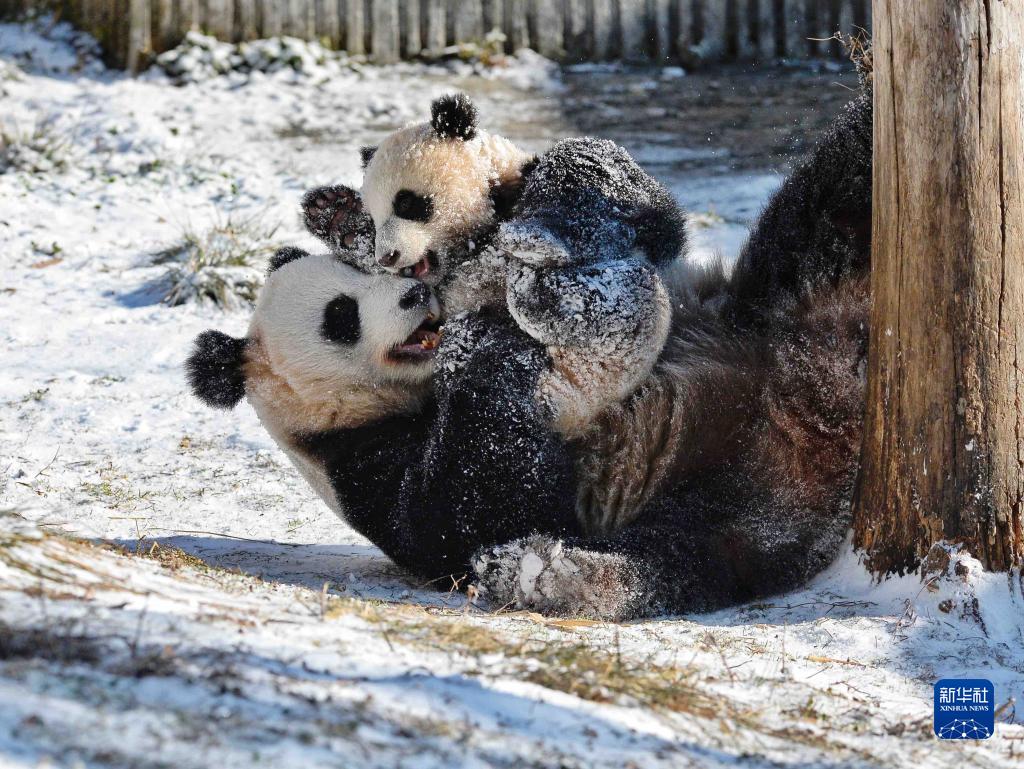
<point x="231" y="620"/>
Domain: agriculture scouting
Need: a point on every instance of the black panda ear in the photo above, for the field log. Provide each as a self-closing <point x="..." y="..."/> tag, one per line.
<point x="214" y="369"/>
<point x="454" y="117"/>
<point x="367" y="153"/>
<point x="284" y="255"/>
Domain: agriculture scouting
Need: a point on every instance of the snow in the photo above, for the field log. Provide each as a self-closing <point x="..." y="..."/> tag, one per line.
<point x="297" y="643"/>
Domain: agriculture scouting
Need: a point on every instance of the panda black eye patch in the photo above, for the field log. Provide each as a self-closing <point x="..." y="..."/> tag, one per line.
<point x="341" y="320"/>
<point x="409" y="205"/>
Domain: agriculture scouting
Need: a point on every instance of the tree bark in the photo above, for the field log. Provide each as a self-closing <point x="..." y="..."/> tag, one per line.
<point x="943" y="455"/>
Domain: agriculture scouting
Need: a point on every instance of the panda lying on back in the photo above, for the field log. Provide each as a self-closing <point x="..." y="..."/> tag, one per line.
<point x="574" y="244"/>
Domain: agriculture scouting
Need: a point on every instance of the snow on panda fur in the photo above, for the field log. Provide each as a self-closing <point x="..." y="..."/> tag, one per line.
<point x="576" y="244"/>
<point x="337" y="364"/>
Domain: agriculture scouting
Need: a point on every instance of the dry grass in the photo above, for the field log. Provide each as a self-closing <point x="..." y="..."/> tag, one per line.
<point x="223" y="265"/>
<point x="38" y="149"/>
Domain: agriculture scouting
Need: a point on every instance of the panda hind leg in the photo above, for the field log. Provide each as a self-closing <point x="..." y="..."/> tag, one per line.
<point x="540" y="573"/>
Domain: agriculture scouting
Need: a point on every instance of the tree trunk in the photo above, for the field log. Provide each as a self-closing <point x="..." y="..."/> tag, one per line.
<point x="943" y="455"/>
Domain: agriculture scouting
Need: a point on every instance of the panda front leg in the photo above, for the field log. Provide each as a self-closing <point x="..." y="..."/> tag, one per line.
<point x="335" y="214"/>
<point x="604" y="326"/>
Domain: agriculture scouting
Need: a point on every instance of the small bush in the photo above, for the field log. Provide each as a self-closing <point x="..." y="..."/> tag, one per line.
<point x="37" y="150"/>
<point x="224" y="265"/>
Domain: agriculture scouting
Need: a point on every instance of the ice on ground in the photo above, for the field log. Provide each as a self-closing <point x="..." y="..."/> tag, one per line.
<point x="293" y="642"/>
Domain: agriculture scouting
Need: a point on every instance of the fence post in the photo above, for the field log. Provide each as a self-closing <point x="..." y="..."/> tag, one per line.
<point x="712" y="41"/>
<point x="632" y="22"/>
<point x="384" y="31"/>
<point x="139" y="42"/>
<point x="517" y="31"/>
<point x="355" y="27"/>
<point x="468" y="22"/>
<point x="683" y="43"/>
<point x="550" y="24"/>
<point x="577" y="45"/>
<point x="600" y="22"/>
<point x="409" y="31"/>
<point x="659" y="13"/>
<point x="435" y="17"/>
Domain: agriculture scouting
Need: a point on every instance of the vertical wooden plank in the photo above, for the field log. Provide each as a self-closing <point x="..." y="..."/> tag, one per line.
<point x="813" y="12"/>
<point x="575" y="35"/>
<point x="164" y="33"/>
<point x="846" y="25"/>
<point x="833" y="24"/>
<point x="494" y="16"/>
<point x="515" y="25"/>
<point x="468" y="20"/>
<point x="384" y="30"/>
<point x="434" y="37"/>
<point x="767" y="37"/>
<point x="189" y="14"/>
<point x="601" y="29"/>
<point x="294" y="17"/>
<point x="659" y="20"/>
<point x="273" y="18"/>
<point x="355" y="27"/>
<point x="632" y="22"/>
<point x="797" y="44"/>
<point x="550" y="25"/>
<point x="409" y="33"/>
<point x="327" y="21"/>
<point x="861" y="15"/>
<point x="682" y="30"/>
<point x="748" y="28"/>
<point x="138" y="44"/>
<point x="713" y="38"/>
<point x="218" y="18"/>
<point x="246" y="20"/>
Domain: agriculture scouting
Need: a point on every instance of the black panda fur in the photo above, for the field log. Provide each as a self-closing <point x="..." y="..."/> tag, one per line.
<point x="590" y="199"/>
<point x="422" y="487"/>
<point x="771" y="364"/>
<point x="765" y="376"/>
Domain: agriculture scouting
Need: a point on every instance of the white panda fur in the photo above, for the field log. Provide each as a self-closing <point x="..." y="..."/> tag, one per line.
<point x="458" y="175"/>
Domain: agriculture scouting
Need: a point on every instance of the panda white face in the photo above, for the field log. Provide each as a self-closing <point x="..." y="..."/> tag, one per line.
<point x="324" y="326"/>
<point x="426" y="195"/>
<point x="429" y="189"/>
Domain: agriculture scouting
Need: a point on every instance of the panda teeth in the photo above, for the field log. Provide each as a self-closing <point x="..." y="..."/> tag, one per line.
<point x="407" y="272"/>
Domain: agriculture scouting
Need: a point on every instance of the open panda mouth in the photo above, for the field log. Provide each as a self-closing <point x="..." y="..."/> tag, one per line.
<point x="420" y="345"/>
<point x="422" y="268"/>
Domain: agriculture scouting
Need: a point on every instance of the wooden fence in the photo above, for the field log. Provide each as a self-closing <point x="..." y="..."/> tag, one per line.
<point x="651" y="31"/>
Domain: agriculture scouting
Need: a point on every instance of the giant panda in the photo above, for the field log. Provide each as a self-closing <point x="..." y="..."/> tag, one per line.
<point x="328" y="348"/>
<point x="337" y="364"/>
<point x="728" y="475"/>
<point x="725" y="477"/>
<point x="576" y="244"/>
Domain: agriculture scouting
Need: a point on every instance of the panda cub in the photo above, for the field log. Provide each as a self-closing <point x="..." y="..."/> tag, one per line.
<point x="328" y="347"/>
<point x="576" y="245"/>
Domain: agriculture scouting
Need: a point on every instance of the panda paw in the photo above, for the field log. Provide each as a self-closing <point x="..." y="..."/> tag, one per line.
<point x="336" y="216"/>
<point x="540" y="573"/>
<point x="486" y="352"/>
<point x="462" y="335"/>
<point x="532" y="244"/>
